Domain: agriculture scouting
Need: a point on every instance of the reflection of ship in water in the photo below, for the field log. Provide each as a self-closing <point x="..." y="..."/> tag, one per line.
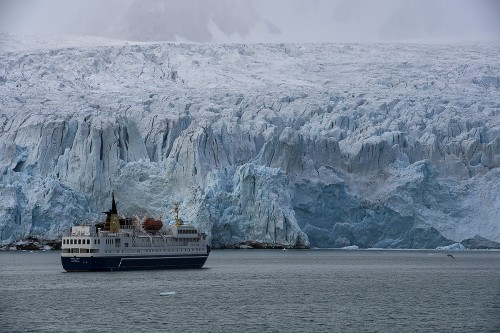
<point x="131" y="243"/>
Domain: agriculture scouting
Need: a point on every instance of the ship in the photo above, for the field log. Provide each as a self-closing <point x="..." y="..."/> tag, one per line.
<point x="121" y="243"/>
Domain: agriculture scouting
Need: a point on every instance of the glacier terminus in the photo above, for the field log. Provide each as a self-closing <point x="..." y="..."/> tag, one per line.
<point x="297" y="145"/>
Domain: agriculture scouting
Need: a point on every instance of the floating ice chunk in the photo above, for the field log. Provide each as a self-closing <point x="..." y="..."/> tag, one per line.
<point x="452" y="247"/>
<point x="351" y="247"/>
<point x="165" y="293"/>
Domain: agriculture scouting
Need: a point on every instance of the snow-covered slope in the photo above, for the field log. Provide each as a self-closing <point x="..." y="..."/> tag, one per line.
<point x="374" y="145"/>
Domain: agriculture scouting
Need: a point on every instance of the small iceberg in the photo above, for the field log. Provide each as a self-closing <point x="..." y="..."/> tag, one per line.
<point x="452" y="247"/>
<point x="165" y="293"/>
<point x="351" y="247"/>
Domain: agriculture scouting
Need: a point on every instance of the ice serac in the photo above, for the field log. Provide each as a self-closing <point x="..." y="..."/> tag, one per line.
<point x="252" y="203"/>
<point x="392" y="146"/>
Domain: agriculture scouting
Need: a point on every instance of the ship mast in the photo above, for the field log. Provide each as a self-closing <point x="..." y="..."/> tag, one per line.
<point x="177" y="221"/>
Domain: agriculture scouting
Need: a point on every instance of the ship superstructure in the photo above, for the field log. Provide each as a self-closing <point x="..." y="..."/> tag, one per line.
<point x="132" y="243"/>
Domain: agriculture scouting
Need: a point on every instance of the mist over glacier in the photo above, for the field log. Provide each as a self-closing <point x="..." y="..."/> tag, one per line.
<point x="327" y="145"/>
<point x="257" y="21"/>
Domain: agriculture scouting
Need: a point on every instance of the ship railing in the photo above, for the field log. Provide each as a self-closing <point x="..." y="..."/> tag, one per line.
<point x="163" y="236"/>
<point x="79" y="234"/>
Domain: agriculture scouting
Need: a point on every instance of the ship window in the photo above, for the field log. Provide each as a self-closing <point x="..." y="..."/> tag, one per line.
<point x="126" y="244"/>
<point x="75" y="250"/>
<point x="88" y="241"/>
<point x="71" y="241"/>
<point x="66" y="251"/>
<point x="94" y="250"/>
<point x="79" y="241"/>
<point x="98" y="241"/>
<point x="117" y="242"/>
<point x="84" y="250"/>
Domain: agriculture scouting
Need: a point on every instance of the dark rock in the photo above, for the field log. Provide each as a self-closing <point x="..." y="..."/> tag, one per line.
<point x="480" y="243"/>
<point x="258" y="245"/>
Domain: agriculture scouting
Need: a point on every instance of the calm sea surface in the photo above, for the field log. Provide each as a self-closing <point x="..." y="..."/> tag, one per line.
<point x="259" y="291"/>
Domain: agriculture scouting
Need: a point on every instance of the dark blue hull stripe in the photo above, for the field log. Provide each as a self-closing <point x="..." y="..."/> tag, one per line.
<point x="78" y="264"/>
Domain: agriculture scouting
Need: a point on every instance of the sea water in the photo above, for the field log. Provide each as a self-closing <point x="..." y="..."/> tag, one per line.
<point x="259" y="291"/>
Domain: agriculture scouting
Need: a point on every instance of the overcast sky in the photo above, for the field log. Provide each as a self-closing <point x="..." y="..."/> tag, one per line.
<point x="258" y="20"/>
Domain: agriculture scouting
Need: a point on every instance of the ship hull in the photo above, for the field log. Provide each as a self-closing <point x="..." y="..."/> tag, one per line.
<point x="123" y="263"/>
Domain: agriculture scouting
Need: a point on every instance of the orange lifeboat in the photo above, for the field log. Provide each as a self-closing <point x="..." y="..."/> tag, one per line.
<point x="150" y="224"/>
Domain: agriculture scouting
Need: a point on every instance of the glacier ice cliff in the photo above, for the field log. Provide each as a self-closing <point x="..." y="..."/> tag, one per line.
<point x="322" y="145"/>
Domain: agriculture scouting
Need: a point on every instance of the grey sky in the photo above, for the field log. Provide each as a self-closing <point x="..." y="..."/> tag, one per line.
<point x="258" y="20"/>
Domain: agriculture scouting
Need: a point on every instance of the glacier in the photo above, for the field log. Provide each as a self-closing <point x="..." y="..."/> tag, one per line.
<point x="321" y="145"/>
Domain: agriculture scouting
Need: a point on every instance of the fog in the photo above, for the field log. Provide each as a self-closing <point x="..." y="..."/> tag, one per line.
<point x="256" y="21"/>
